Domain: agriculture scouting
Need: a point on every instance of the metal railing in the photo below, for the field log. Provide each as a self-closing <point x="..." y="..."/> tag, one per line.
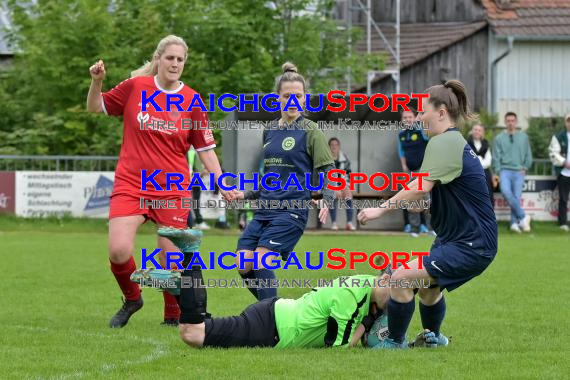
<point x="58" y="163"/>
<point x="540" y="166"/>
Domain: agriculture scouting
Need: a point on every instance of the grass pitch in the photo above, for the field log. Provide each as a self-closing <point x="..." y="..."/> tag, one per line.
<point x="57" y="295"/>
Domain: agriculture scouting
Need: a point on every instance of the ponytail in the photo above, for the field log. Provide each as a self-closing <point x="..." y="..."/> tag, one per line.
<point x="453" y="95"/>
<point x="460" y="93"/>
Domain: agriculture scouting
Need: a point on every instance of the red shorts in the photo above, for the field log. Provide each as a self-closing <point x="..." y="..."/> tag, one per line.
<point x="128" y="205"/>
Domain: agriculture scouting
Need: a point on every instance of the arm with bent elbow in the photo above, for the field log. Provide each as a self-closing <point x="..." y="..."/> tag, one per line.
<point x="94" y="98"/>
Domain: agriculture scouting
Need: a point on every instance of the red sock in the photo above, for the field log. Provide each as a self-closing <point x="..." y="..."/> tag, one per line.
<point x="171" y="309"/>
<point x="122" y="272"/>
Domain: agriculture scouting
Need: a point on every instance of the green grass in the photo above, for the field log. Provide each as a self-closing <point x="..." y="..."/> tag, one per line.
<point x="57" y="295"/>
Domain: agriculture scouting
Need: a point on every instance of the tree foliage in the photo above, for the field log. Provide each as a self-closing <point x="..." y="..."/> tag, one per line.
<point x="235" y="46"/>
<point x="540" y="131"/>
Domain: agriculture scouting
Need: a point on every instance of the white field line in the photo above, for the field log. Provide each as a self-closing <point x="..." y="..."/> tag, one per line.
<point x="159" y="350"/>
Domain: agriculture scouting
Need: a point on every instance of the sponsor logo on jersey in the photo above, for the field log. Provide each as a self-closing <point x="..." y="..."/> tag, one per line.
<point x="288" y="143"/>
<point x="143" y="117"/>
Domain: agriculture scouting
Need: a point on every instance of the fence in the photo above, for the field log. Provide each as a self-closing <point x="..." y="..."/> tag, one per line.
<point x="540" y="166"/>
<point x="58" y="163"/>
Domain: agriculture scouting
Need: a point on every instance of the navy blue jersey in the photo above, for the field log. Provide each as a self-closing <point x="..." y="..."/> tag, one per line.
<point x="460" y="205"/>
<point x="298" y="149"/>
<point x="412" y="145"/>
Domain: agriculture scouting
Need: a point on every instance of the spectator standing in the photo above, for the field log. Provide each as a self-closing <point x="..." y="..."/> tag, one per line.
<point x="558" y="152"/>
<point x="512" y="157"/>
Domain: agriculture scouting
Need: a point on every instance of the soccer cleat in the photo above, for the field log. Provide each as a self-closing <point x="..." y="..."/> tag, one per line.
<point x="441" y="340"/>
<point x="121" y="318"/>
<point x="525" y="224"/>
<point x="390" y="344"/>
<point x="202" y="226"/>
<point x="350" y="227"/>
<point x="222" y="225"/>
<point x="515" y="228"/>
<point x="424" y="229"/>
<point x="408" y="228"/>
<point x="428" y="339"/>
<point x="158" y="278"/>
<point x="564" y="227"/>
<point x="187" y="241"/>
<point x="170" y="322"/>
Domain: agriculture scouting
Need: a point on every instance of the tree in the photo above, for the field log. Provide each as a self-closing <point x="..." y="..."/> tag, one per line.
<point x="235" y="46"/>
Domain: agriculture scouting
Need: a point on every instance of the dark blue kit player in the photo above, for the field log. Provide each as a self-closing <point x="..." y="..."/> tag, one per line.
<point x="462" y="217"/>
<point x="297" y="147"/>
<point x="412" y="143"/>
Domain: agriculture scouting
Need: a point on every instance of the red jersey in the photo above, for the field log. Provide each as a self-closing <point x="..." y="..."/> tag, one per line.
<point x="154" y="148"/>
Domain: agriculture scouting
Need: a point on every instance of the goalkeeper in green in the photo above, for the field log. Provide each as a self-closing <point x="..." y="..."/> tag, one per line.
<point x="334" y="316"/>
<point x="324" y="317"/>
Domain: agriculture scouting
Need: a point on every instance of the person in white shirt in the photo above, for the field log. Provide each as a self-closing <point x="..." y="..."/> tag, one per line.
<point x="481" y="147"/>
<point x="558" y="152"/>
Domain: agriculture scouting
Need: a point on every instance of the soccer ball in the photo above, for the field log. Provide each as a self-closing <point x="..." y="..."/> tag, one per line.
<point x="378" y="332"/>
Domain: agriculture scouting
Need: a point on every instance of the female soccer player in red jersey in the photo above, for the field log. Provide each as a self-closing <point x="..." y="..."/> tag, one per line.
<point x="150" y="149"/>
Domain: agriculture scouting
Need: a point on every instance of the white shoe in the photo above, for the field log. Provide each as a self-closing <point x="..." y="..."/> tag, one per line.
<point x="515" y="228"/>
<point x="334" y="227"/>
<point x="525" y="224"/>
<point x="350" y="227"/>
<point x="202" y="226"/>
<point x="564" y="227"/>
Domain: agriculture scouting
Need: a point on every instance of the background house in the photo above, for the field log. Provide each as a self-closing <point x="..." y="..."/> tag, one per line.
<point x="511" y="54"/>
<point x="533" y="78"/>
<point x="6" y="50"/>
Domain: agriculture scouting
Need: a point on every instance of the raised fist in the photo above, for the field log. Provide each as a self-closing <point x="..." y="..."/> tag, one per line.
<point x="97" y="71"/>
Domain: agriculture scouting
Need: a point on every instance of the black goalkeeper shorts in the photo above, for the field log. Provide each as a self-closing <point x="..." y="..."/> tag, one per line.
<point x="254" y="327"/>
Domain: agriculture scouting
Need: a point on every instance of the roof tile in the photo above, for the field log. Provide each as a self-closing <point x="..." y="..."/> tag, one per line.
<point x="529" y="17"/>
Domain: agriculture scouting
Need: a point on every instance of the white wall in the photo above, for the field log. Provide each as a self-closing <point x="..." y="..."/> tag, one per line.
<point x="533" y="80"/>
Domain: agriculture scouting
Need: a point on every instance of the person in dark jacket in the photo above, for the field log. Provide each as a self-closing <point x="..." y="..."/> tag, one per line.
<point x="558" y="152"/>
<point x="412" y="144"/>
<point x="481" y="147"/>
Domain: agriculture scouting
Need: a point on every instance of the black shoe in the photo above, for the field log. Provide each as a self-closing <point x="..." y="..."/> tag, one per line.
<point x="121" y="318"/>
<point x="170" y="322"/>
<point x="222" y="225"/>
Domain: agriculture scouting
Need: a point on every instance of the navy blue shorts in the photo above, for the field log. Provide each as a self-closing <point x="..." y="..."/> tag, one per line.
<point x="453" y="264"/>
<point x="279" y="235"/>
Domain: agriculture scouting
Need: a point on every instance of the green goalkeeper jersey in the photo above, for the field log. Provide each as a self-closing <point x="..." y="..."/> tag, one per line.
<point x="326" y="316"/>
